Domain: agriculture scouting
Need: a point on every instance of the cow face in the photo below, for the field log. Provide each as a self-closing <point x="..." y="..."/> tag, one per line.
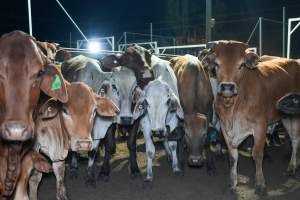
<point x="49" y="49"/>
<point x="124" y="84"/>
<point x="230" y="58"/>
<point x="136" y="58"/>
<point x="78" y="114"/>
<point x="195" y="126"/>
<point x="159" y="106"/>
<point x="24" y="71"/>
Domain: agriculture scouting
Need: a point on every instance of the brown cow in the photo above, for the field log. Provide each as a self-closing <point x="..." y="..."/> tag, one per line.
<point x="247" y="95"/>
<point x="196" y="98"/>
<point x="49" y="49"/>
<point x="64" y="127"/>
<point x="24" y="72"/>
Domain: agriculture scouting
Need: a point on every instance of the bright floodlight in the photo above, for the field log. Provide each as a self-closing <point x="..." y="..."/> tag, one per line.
<point x="94" y="47"/>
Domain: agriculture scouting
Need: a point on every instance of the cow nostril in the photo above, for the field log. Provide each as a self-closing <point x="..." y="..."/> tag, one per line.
<point x="222" y="87"/>
<point x="16" y="131"/>
<point x="126" y="120"/>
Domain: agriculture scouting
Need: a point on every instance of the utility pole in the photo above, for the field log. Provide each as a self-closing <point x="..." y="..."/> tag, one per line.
<point x="151" y="32"/>
<point x="260" y="36"/>
<point x="283" y="31"/>
<point x="29" y="16"/>
<point x="208" y="24"/>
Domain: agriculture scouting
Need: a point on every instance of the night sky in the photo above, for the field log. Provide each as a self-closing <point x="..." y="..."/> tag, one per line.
<point x="235" y="18"/>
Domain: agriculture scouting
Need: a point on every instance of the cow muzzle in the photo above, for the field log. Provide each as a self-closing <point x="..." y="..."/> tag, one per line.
<point x="158" y="132"/>
<point x="195" y="161"/>
<point x="227" y="89"/>
<point x="16" y="131"/>
<point x="82" y="145"/>
<point x="126" y="120"/>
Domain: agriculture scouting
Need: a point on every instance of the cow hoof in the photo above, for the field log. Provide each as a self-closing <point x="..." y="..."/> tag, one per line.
<point x="260" y="190"/>
<point x="73" y="173"/>
<point x="62" y="197"/>
<point x="135" y="174"/>
<point x="291" y="173"/>
<point x="178" y="173"/>
<point x="211" y="169"/>
<point x="231" y="194"/>
<point x="147" y="184"/>
<point x="90" y="182"/>
<point x="103" y="177"/>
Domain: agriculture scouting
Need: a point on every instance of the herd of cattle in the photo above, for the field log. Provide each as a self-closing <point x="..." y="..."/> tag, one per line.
<point x="50" y="110"/>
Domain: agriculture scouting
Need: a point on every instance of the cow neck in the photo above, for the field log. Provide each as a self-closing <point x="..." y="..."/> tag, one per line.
<point x="238" y="101"/>
<point x="65" y="133"/>
<point x="13" y="168"/>
<point x="141" y="81"/>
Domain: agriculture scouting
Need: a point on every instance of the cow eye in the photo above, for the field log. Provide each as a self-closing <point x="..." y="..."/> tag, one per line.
<point x="217" y="66"/>
<point x="65" y="110"/>
<point x="41" y="73"/>
<point x="115" y="89"/>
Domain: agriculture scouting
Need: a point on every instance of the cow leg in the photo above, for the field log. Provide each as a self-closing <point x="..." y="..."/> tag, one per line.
<point x="168" y="151"/>
<point x="110" y="146"/>
<point x="233" y="160"/>
<point x="34" y="182"/>
<point x="59" y="172"/>
<point x="210" y="160"/>
<point x="131" y="144"/>
<point x="173" y="149"/>
<point x="258" y="155"/>
<point x="150" y="150"/>
<point x="74" y="165"/>
<point x="91" y="180"/>
<point x="293" y="162"/>
<point x="292" y="128"/>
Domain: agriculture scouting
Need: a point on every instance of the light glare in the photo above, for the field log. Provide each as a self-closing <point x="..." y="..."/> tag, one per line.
<point x="94" y="47"/>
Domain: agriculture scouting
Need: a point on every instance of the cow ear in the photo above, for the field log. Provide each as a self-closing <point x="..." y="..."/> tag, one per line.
<point x="104" y="87"/>
<point x="49" y="109"/>
<point x="137" y="94"/>
<point x="105" y="107"/>
<point x="174" y="106"/>
<point x="140" y="108"/>
<point x="53" y="84"/>
<point x="111" y="61"/>
<point x="251" y="59"/>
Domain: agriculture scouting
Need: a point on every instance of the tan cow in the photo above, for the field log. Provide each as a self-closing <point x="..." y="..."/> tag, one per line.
<point x="64" y="127"/>
<point x="24" y="72"/>
<point x="196" y="98"/>
<point x="247" y="95"/>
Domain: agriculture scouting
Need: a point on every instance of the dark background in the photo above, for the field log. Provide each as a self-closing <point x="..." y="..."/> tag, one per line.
<point x="183" y="19"/>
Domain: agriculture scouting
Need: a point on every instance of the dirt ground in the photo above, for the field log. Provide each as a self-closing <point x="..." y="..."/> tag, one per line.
<point x="195" y="184"/>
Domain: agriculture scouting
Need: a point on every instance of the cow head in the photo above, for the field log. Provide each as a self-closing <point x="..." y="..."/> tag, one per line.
<point x="24" y="72"/>
<point x="78" y="114"/>
<point x="135" y="57"/>
<point x="195" y="126"/>
<point x="110" y="62"/>
<point x="49" y="49"/>
<point x="159" y="105"/>
<point x="125" y="93"/>
<point x="230" y="60"/>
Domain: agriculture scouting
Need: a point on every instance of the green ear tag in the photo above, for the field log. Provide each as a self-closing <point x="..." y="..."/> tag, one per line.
<point x="56" y="83"/>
